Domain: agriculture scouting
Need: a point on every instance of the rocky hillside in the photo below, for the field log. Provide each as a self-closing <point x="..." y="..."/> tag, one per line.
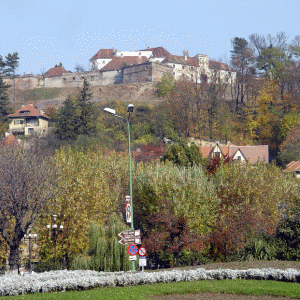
<point x="54" y="97"/>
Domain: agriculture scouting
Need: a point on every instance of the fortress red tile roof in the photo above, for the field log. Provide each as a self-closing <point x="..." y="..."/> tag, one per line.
<point x="28" y="111"/>
<point x="158" y="52"/>
<point x="219" y="66"/>
<point x="55" y="72"/>
<point x="104" y="53"/>
<point x="117" y="63"/>
<point x="176" y="59"/>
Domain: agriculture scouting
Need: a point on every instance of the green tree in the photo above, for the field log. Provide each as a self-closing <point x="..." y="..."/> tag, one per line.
<point x="59" y="65"/>
<point x="86" y="118"/>
<point x="290" y="148"/>
<point x="250" y="196"/>
<point x="2" y="65"/>
<point x="242" y="59"/>
<point x="89" y="189"/>
<point x="182" y="154"/>
<point x="11" y="64"/>
<point x="4" y="100"/>
<point x="76" y="117"/>
<point x="166" y="85"/>
<point x="65" y="127"/>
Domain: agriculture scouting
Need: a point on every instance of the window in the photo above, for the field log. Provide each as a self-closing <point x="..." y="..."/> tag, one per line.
<point x="25" y="112"/>
<point x="65" y="79"/>
<point x="30" y="130"/>
<point x="239" y="157"/>
<point x="173" y="66"/>
<point x="32" y="122"/>
<point x="18" y="122"/>
<point x="182" y="67"/>
<point x="217" y="154"/>
<point x="74" y="78"/>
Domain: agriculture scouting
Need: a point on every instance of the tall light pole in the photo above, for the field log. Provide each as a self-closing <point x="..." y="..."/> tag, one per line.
<point x="113" y="113"/>
<point x="29" y="237"/>
<point x="55" y="232"/>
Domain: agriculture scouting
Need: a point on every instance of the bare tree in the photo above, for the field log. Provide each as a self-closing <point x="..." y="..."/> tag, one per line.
<point x="27" y="183"/>
<point x="79" y="68"/>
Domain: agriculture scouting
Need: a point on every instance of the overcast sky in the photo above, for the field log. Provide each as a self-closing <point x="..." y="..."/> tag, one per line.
<point x="45" y="33"/>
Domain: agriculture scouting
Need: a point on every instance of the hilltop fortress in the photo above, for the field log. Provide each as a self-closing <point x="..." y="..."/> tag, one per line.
<point x="110" y="66"/>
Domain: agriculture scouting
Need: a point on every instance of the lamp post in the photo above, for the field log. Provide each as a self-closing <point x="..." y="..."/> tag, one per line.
<point x="55" y="232"/>
<point x="29" y="237"/>
<point x="113" y="113"/>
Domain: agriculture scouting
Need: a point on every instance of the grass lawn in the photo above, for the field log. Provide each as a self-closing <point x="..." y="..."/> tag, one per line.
<point x="244" y="287"/>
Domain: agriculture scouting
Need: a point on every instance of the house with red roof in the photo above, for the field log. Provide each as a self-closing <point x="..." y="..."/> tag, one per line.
<point x="251" y="154"/>
<point x="294" y="167"/>
<point x="28" y="120"/>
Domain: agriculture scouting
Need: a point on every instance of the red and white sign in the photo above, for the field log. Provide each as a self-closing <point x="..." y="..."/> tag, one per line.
<point x="133" y="250"/>
<point x="142" y="251"/>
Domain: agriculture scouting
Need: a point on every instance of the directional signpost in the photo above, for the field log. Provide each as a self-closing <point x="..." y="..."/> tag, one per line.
<point x="130" y="237"/>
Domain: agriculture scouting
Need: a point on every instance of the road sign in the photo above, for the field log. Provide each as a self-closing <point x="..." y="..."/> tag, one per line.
<point x="133" y="249"/>
<point x="130" y="237"/>
<point x="132" y="257"/>
<point x="142" y="261"/>
<point x="142" y="251"/>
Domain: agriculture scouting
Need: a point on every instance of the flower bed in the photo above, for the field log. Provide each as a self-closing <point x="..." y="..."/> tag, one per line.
<point x="80" y="280"/>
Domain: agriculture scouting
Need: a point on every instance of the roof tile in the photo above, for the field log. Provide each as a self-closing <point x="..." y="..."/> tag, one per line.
<point x="55" y="72"/>
<point x="104" y="53"/>
<point x="32" y="112"/>
<point x="117" y="63"/>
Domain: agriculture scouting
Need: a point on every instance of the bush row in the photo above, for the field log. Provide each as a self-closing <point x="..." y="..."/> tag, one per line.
<point x="57" y="281"/>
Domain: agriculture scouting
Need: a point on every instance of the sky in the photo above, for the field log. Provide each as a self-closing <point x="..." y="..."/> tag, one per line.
<point x="45" y="33"/>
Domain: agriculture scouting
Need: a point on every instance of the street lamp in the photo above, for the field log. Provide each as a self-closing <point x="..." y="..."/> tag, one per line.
<point x="29" y="237"/>
<point x="55" y="232"/>
<point x="113" y="113"/>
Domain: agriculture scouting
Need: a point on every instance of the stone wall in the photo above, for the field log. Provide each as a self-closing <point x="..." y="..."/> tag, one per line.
<point x="148" y="71"/>
<point x="24" y="82"/>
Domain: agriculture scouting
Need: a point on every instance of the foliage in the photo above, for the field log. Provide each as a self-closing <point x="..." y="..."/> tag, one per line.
<point x="4" y="100"/>
<point x="11" y="64"/>
<point x="166" y="85"/>
<point x="67" y="121"/>
<point x="249" y="198"/>
<point x="167" y="236"/>
<point x="148" y="153"/>
<point x="182" y="154"/>
<point x="104" y="253"/>
<point x="27" y="182"/>
<point x="290" y="148"/>
<point x="76" y="117"/>
<point x="89" y="189"/>
<point x="184" y="192"/>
